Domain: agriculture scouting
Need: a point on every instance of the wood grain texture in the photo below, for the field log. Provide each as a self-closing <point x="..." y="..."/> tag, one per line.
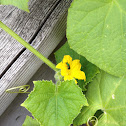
<point x="51" y="33"/>
<point x="24" y="24"/>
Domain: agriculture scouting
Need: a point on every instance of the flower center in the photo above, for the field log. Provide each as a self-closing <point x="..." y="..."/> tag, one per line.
<point x="68" y="66"/>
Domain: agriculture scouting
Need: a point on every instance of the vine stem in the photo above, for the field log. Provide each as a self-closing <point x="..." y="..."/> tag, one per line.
<point x="28" y="46"/>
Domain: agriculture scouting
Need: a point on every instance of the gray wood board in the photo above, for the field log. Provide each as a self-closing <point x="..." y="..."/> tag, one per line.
<point x="27" y="64"/>
<point x="24" y="24"/>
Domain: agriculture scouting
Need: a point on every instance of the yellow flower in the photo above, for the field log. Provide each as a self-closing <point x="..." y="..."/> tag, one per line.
<point x="71" y="69"/>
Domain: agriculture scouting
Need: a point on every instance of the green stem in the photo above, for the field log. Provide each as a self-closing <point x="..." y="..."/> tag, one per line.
<point x="28" y="46"/>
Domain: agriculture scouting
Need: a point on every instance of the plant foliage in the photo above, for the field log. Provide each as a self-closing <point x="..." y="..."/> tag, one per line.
<point x="96" y="29"/>
<point x="29" y="121"/>
<point x="89" y="69"/>
<point x="96" y="33"/>
<point x="55" y="105"/>
<point x="106" y="93"/>
<point x="21" y="4"/>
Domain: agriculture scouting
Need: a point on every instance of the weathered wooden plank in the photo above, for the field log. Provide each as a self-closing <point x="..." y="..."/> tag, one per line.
<point x="24" y="24"/>
<point x="27" y="64"/>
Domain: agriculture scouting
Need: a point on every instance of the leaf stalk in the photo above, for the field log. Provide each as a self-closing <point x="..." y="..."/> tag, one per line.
<point x="28" y="46"/>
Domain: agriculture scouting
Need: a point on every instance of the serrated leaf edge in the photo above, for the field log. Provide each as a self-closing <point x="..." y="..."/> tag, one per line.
<point x="79" y="111"/>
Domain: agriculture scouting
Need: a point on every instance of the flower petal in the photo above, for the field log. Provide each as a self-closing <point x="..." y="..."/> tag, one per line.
<point x="75" y="81"/>
<point x="64" y="72"/>
<point x="68" y="77"/>
<point x="80" y="75"/>
<point x="59" y="65"/>
<point x="67" y="59"/>
<point x="75" y="65"/>
<point x="71" y="69"/>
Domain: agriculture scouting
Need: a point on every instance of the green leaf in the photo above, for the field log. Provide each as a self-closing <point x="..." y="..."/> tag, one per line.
<point x="96" y="29"/>
<point x="106" y="93"/>
<point x="55" y="106"/>
<point x="21" y="4"/>
<point x="29" y="121"/>
<point x="89" y="69"/>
